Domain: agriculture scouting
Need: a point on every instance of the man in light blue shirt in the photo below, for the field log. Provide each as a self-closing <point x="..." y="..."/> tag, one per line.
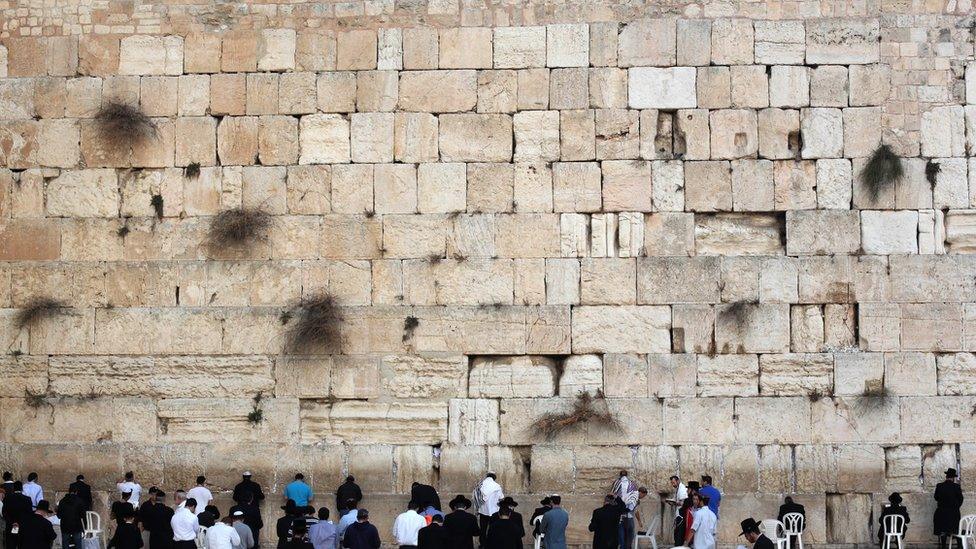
<point x="351" y="516"/>
<point x="33" y="490"/>
<point x="323" y="534"/>
<point x="298" y="491"/>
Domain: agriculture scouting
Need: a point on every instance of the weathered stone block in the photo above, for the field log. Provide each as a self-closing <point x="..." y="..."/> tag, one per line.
<point x="519" y="47"/>
<point x="476" y="138"/>
<point x="752" y="328"/>
<point x="512" y="377"/>
<point x="473" y="421"/>
<point x="661" y="88"/>
<point x="648" y="42"/>
<point x="843" y="41"/>
<point x="640" y="329"/>
<point x="797" y="374"/>
<point x="728" y="375"/>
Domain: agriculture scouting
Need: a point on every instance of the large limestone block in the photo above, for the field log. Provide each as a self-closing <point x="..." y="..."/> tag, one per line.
<point x="581" y="373"/>
<point x="856" y="419"/>
<point x="797" y="374"/>
<point x="432" y="377"/>
<point x="276" y="50"/>
<point x="734" y="133"/>
<point x="780" y="42"/>
<point x="698" y="421"/>
<point x="850" y="518"/>
<point x="619" y="329"/>
<point x="945" y="418"/>
<point x="638" y="422"/>
<point x="24" y="375"/>
<point x="732" y="42"/>
<point x="910" y="374"/>
<point x="944" y="132"/>
<point x="728" y="375"/>
<point x="823" y="133"/>
<point x="511" y="377"/>
<point x="661" y="88"/>
<point x="813" y="232"/>
<point x="519" y="47"/>
<point x="43" y="418"/>
<point x="388" y="423"/>
<point x="752" y="328"/>
<point x="438" y="91"/>
<point x="165" y="376"/>
<point x="648" y="42"/>
<point x="473" y="421"/>
<point x="960" y="227"/>
<point x="568" y="45"/>
<point x="957" y="374"/>
<point x="226" y="419"/>
<point x="324" y="139"/>
<point x="778" y="420"/>
<point x="889" y="232"/>
<point x="143" y="54"/>
<point x="678" y="280"/>
<point x="594" y="466"/>
<point x="843" y="41"/>
<point x="376" y="91"/>
<point x="462" y="467"/>
<point x="550" y="465"/>
<point x="738" y="234"/>
<point x="83" y="193"/>
<point x="476" y="138"/>
<point x="789" y="86"/>
<point x="536" y="136"/>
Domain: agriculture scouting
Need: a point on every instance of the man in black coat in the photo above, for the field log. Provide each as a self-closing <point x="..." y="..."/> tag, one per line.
<point x="514" y="516"/>
<point x="71" y="512"/>
<point x="948" y="498"/>
<point x="789" y="506"/>
<point x="503" y="532"/>
<point x="83" y="490"/>
<point x="546" y="505"/>
<point x="36" y="532"/>
<point x="348" y="490"/>
<point x="605" y="524"/>
<point x="750" y="529"/>
<point x="461" y="526"/>
<point x="16" y="508"/>
<point x="425" y="495"/>
<point x="434" y="535"/>
<point x="894" y="507"/>
<point x="361" y="534"/>
<point x="252" y="516"/>
<point x="121" y="508"/>
<point x="156" y="517"/>
<point x="247" y="486"/>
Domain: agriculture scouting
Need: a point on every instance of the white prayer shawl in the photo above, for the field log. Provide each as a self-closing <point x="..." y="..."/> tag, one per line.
<point x="491" y="494"/>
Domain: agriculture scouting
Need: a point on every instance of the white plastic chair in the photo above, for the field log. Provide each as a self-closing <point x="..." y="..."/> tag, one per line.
<point x="794" y="527"/>
<point x="537" y="538"/>
<point x="93" y="526"/>
<point x="892" y="527"/>
<point x="776" y="532"/>
<point x="650" y="534"/>
<point x="967" y="531"/>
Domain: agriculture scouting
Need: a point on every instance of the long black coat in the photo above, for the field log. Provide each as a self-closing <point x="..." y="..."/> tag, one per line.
<point x="504" y="534"/>
<point x="346" y="491"/>
<point x="604" y="524"/>
<point x="425" y="494"/>
<point x="462" y="527"/>
<point x="432" y="536"/>
<point x="157" y="519"/>
<point x="247" y="486"/>
<point x="36" y="532"/>
<point x="892" y="510"/>
<point x="84" y="492"/>
<point x="948" y="497"/>
<point x="539" y="511"/>
<point x="16" y="508"/>
<point x="71" y="511"/>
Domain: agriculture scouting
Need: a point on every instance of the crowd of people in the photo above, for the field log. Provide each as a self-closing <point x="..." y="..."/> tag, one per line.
<point x="489" y="516"/>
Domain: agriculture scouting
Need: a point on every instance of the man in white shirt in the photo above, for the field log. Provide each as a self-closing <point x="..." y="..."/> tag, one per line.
<point x="201" y="494"/>
<point x="222" y="536"/>
<point x="702" y="526"/>
<point x="185" y="526"/>
<point x="33" y="490"/>
<point x="680" y="494"/>
<point x="486" y="497"/>
<point x="407" y="525"/>
<point x="130" y="486"/>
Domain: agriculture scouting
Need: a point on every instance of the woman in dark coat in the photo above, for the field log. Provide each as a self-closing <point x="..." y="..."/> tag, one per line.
<point x="894" y="507"/>
<point x="948" y="498"/>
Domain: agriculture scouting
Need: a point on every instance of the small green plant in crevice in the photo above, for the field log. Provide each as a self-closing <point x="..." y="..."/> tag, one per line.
<point x="256" y="414"/>
<point x="316" y="325"/>
<point x="38" y="309"/>
<point x="238" y="226"/>
<point x="122" y="126"/>
<point x="932" y="170"/>
<point x="157" y="205"/>
<point x="884" y="168"/>
<point x="124" y="230"/>
<point x="192" y="170"/>
<point x="410" y="325"/>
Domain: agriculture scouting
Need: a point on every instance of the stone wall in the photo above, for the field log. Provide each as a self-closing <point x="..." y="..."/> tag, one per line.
<point x="658" y="201"/>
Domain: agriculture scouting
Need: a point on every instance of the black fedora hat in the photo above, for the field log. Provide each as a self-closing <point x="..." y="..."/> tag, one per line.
<point x="951" y="473"/>
<point x="507" y="501"/>
<point x="289" y="505"/>
<point x="749" y="525"/>
<point x="895" y="498"/>
<point x="461" y="502"/>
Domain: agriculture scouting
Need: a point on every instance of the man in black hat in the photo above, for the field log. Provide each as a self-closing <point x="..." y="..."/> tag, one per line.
<point x="503" y="532"/>
<point x="605" y="523"/>
<point x="252" y="515"/>
<point x="750" y="529"/>
<point x="285" y="524"/>
<point x="462" y="527"/>
<point x="156" y="516"/>
<point x="36" y="531"/>
<point x="425" y="494"/>
<point x="434" y="535"/>
<point x="83" y="490"/>
<point x="894" y="507"/>
<point x="546" y="505"/>
<point x="121" y="507"/>
<point x="508" y="503"/>
<point x="948" y="498"/>
<point x="71" y="513"/>
<point x="346" y="492"/>
<point x="16" y="508"/>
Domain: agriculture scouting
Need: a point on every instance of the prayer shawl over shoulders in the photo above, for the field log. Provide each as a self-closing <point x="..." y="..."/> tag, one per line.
<point x="487" y="496"/>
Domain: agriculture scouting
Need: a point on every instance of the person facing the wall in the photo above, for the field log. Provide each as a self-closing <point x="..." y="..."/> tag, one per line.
<point x="948" y="499"/>
<point x="894" y="507"/>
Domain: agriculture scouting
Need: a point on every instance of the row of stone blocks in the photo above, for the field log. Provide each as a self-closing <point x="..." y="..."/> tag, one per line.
<point x="652" y="42"/>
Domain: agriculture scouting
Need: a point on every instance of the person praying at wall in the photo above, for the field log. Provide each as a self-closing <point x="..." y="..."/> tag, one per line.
<point x="486" y="498"/>
<point x="948" y="501"/>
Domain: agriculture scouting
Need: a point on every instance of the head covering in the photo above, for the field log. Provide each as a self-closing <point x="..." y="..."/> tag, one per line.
<point x="951" y="473"/>
<point x="44" y="505"/>
<point x="289" y="506"/>
<point x="895" y="498"/>
<point x="749" y="526"/>
<point x="237" y="513"/>
<point x="545" y="501"/>
<point x="246" y="474"/>
<point x="80" y="477"/>
<point x="460" y="502"/>
<point x="507" y="501"/>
